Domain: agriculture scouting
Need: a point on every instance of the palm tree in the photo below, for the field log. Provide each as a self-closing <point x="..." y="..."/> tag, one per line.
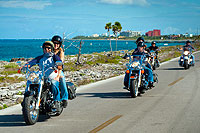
<point x="116" y="28"/>
<point x="108" y="27"/>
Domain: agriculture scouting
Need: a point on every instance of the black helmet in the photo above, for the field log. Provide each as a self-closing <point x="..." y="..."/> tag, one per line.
<point x="188" y="42"/>
<point x="139" y="39"/>
<point x="140" y="44"/>
<point x="57" y="39"/>
<point x="50" y="43"/>
<point x="153" y="42"/>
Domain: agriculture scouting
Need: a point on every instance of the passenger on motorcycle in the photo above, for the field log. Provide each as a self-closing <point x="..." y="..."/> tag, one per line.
<point x="188" y="47"/>
<point x="57" y="40"/>
<point x="47" y="61"/>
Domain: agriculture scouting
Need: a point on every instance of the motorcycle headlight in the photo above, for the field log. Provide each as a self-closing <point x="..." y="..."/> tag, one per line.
<point x="134" y="64"/>
<point x="33" y="77"/>
<point x="186" y="52"/>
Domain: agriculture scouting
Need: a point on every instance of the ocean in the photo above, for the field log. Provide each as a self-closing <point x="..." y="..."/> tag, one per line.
<point x="27" y="48"/>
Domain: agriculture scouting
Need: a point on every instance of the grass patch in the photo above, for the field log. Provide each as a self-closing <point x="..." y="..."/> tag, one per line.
<point x="15" y="79"/>
<point x="11" y="65"/>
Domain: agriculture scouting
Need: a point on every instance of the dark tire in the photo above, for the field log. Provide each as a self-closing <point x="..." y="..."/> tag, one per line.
<point x="30" y="112"/>
<point x="134" y="88"/>
<point x="154" y="67"/>
<point x="186" y="66"/>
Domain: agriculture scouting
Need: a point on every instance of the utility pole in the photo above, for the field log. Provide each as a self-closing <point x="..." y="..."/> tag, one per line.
<point x="79" y="54"/>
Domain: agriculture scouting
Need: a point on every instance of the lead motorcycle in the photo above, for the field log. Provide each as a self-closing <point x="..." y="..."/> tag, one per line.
<point x="137" y="78"/>
<point x="186" y="59"/>
<point x="38" y="97"/>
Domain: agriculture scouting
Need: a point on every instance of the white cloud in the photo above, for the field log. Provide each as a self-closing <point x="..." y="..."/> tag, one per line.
<point x="38" y="5"/>
<point x="127" y="2"/>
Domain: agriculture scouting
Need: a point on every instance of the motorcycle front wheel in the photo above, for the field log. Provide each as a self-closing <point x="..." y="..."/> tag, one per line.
<point x="134" y="88"/>
<point x="30" y="112"/>
<point x="186" y="66"/>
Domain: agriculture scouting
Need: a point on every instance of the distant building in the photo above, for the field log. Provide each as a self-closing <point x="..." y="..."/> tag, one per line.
<point x="104" y="34"/>
<point x="95" y="35"/>
<point x="130" y="33"/>
<point x="188" y="35"/>
<point x="155" y="32"/>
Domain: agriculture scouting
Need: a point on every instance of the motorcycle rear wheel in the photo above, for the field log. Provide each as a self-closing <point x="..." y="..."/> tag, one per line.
<point x="30" y="113"/>
<point x="134" y="88"/>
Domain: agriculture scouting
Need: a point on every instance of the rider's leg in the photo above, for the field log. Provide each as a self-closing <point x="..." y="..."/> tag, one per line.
<point x="63" y="87"/>
<point x="193" y="59"/>
<point x="149" y="73"/>
<point x="55" y="90"/>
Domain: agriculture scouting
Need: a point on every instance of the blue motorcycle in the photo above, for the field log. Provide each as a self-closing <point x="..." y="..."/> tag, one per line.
<point x="135" y="74"/>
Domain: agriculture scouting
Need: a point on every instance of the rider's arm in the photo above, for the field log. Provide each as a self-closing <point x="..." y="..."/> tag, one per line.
<point x="32" y="62"/>
<point x="62" y="55"/>
<point x="57" y="58"/>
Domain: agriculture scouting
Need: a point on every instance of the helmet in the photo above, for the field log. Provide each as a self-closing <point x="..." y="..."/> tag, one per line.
<point x="139" y="39"/>
<point x="188" y="42"/>
<point x="50" y="43"/>
<point x="153" y="42"/>
<point x="57" y="39"/>
<point x="140" y="44"/>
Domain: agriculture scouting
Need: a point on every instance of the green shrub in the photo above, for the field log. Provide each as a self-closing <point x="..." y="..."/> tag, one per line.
<point x="5" y="106"/>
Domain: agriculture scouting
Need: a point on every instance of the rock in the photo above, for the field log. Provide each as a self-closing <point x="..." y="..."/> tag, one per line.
<point x="19" y="99"/>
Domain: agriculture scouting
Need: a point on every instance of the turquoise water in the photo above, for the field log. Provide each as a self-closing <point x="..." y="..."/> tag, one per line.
<point x="16" y="48"/>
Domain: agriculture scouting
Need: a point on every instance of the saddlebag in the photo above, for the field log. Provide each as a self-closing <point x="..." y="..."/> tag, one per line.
<point x="71" y="88"/>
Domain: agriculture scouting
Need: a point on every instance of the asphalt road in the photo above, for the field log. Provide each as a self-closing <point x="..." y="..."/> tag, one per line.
<point x="173" y="106"/>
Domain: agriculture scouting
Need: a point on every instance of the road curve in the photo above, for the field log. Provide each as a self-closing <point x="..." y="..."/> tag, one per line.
<point x="172" y="106"/>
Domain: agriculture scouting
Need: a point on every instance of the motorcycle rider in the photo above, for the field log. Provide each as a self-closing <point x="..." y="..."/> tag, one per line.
<point x="154" y="48"/>
<point x="139" y="39"/>
<point x="188" y="47"/>
<point x="140" y="51"/>
<point x="47" y="61"/>
<point x="57" y="40"/>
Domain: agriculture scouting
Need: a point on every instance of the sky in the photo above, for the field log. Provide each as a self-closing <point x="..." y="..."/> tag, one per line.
<point x="21" y="19"/>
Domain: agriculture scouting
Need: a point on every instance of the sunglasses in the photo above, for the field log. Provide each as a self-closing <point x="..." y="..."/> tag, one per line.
<point x="47" y="48"/>
<point x="56" y="43"/>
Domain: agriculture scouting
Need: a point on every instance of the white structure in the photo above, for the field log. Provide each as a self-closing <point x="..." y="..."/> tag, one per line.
<point x="104" y="34"/>
<point x="130" y="33"/>
<point x="95" y="35"/>
<point x="188" y="35"/>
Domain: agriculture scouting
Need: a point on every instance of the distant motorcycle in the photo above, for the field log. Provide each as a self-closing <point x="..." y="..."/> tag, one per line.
<point x="137" y="79"/>
<point x="38" y="97"/>
<point x="153" y="60"/>
<point x="186" y="59"/>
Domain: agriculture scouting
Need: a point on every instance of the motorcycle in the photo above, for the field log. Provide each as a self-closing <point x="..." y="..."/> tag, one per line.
<point x="137" y="78"/>
<point x="38" y="97"/>
<point x="186" y="59"/>
<point x="153" y="60"/>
